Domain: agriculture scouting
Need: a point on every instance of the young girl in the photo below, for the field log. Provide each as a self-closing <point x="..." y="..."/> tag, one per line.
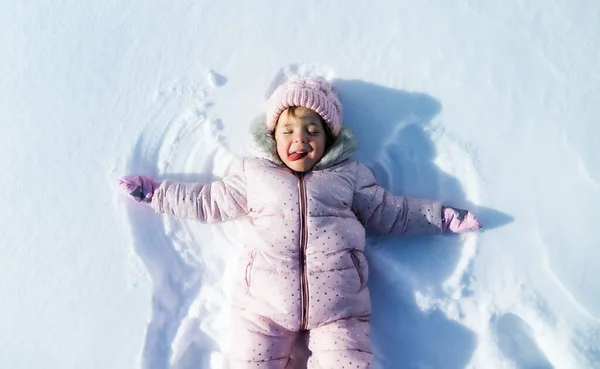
<point x="307" y="206"/>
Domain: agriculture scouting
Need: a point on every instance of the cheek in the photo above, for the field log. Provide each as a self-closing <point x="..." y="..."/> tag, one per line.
<point x="282" y="147"/>
<point x="320" y="145"/>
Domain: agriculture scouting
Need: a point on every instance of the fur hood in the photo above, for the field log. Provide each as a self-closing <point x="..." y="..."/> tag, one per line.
<point x="264" y="146"/>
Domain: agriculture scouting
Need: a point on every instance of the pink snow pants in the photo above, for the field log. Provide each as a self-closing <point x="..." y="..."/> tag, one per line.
<point x="261" y="343"/>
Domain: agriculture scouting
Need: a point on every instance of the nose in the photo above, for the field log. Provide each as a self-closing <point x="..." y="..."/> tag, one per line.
<point x="301" y="137"/>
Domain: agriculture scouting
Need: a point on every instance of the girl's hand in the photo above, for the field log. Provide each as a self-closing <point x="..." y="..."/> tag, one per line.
<point x="458" y="220"/>
<point x="139" y="188"/>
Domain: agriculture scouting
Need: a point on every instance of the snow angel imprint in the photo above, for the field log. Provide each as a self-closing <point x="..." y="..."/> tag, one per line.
<point x="308" y="206"/>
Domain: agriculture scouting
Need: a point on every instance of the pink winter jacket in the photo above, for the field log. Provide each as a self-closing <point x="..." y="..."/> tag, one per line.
<point x="304" y="234"/>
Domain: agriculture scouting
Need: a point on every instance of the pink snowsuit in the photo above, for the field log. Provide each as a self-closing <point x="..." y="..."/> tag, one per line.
<point x="303" y="267"/>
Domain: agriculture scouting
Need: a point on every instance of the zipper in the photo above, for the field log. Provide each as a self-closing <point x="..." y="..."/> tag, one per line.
<point x="357" y="267"/>
<point x="303" y="241"/>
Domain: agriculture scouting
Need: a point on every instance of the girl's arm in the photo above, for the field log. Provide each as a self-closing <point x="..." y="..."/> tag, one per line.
<point x="213" y="202"/>
<point x="382" y="212"/>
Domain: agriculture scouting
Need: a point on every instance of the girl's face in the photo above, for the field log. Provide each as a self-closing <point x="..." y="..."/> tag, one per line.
<point x="300" y="139"/>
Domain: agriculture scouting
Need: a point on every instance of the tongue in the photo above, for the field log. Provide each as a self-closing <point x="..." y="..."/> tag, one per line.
<point x="297" y="156"/>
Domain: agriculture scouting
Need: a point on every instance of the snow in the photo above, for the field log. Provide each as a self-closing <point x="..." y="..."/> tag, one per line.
<point x="484" y="105"/>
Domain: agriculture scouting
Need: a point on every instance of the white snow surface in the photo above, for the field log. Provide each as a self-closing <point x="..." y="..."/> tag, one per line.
<point x="490" y="106"/>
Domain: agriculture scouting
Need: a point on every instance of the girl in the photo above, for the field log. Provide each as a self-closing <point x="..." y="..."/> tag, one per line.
<point x="307" y="206"/>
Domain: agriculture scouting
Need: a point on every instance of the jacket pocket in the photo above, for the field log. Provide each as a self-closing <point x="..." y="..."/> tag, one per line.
<point x="358" y="267"/>
<point x="249" y="265"/>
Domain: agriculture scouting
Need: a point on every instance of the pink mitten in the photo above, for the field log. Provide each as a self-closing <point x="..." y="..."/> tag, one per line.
<point x="458" y="220"/>
<point x="139" y="188"/>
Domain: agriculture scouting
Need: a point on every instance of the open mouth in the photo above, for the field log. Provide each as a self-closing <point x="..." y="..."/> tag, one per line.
<point x="297" y="155"/>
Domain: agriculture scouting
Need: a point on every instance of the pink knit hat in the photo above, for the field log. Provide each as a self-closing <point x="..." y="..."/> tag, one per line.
<point x="315" y="94"/>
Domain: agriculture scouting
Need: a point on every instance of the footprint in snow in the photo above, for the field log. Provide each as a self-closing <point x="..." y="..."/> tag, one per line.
<point x="517" y="342"/>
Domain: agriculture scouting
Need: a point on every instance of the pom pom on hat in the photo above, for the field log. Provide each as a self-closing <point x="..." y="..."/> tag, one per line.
<point x="314" y="94"/>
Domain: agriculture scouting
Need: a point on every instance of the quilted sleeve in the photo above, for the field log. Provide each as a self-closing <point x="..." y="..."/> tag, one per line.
<point x="213" y="202"/>
<point x="382" y="212"/>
